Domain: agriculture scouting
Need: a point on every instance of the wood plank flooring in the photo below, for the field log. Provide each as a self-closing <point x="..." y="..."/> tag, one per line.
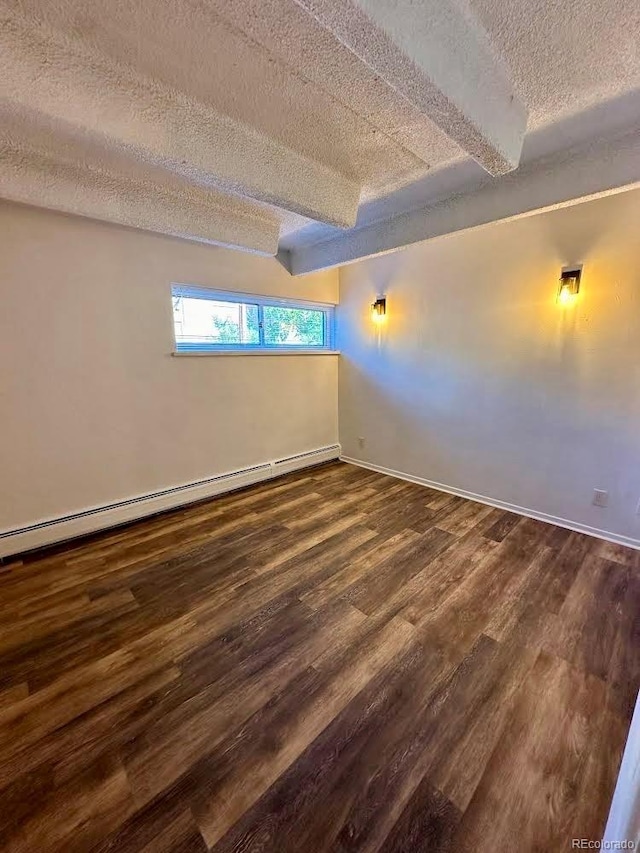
<point x="332" y="661"/>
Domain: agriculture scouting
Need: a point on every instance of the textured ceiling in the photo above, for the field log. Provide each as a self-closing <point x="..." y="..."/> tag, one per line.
<point x="266" y="123"/>
<point x="566" y="55"/>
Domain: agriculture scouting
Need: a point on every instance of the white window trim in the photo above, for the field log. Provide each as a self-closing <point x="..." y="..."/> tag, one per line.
<point x="197" y="292"/>
<point x="254" y="352"/>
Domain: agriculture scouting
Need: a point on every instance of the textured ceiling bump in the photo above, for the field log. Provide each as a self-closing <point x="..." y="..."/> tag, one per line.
<point x="437" y="56"/>
<point x="282" y="124"/>
<point x="57" y="76"/>
<point x="81" y="181"/>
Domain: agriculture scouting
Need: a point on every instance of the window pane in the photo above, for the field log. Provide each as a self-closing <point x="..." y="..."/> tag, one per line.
<point x="205" y="321"/>
<point x="293" y="327"/>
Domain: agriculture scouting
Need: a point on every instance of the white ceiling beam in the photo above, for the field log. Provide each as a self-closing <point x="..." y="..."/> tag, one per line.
<point x="34" y="177"/>
<point x="436" y="54"/>
<point x="572" y="176"/>
<point x="43" y="71"/>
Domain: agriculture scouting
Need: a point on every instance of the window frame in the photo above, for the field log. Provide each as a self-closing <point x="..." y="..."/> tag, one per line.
<point x="208" y="293"/>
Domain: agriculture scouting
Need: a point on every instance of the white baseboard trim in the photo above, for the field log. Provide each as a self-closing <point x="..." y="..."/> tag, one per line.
<point x="483" y="499"/>
<point x="89" y="520"/>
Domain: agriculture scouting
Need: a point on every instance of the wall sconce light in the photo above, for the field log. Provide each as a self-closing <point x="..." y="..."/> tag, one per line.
<point x="379" y="310"/>
<point x="569" y="286"/>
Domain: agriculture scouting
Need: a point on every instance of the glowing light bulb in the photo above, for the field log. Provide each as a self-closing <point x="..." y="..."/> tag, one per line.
<point x="565" y="296"/>
<point x="569" y="287"/>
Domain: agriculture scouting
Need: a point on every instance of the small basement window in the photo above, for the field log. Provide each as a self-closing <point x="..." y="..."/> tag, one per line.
<point x="210" y="321"/>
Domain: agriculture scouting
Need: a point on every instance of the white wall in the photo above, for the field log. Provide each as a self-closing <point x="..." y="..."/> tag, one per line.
<point x="93" y="407"/>
<point x="481" y="382"/>
<point x="624" y="818"/>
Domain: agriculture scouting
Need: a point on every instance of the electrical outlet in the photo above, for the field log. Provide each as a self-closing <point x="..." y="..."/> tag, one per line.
<point x="638" y="509"/>
<point x="361" y="442"/>
<point x="600" y="497"/>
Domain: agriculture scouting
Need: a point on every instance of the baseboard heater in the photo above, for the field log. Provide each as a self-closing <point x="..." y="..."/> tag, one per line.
<point x="52" y="530"/>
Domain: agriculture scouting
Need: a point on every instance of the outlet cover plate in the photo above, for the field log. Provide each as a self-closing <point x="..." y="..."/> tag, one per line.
<point x="600" y="497"/>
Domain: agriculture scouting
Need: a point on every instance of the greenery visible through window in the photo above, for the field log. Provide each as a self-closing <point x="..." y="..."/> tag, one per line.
<point x="207" y="320"/>
<point x="293" y="326"/>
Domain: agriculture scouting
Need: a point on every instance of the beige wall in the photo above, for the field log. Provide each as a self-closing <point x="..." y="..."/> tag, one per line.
<point x="94" y="409"/>
<point x="478" y="381"/>
<point x="481" y="382"/>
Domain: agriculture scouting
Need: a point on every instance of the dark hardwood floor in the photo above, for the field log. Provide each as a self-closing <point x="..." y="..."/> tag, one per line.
<point x="333" y="661"/>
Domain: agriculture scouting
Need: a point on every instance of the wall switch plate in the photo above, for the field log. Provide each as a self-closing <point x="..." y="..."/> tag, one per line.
<point x="600" y="497"/>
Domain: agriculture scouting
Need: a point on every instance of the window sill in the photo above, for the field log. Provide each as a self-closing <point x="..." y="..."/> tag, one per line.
<point x="255" y="353"/>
